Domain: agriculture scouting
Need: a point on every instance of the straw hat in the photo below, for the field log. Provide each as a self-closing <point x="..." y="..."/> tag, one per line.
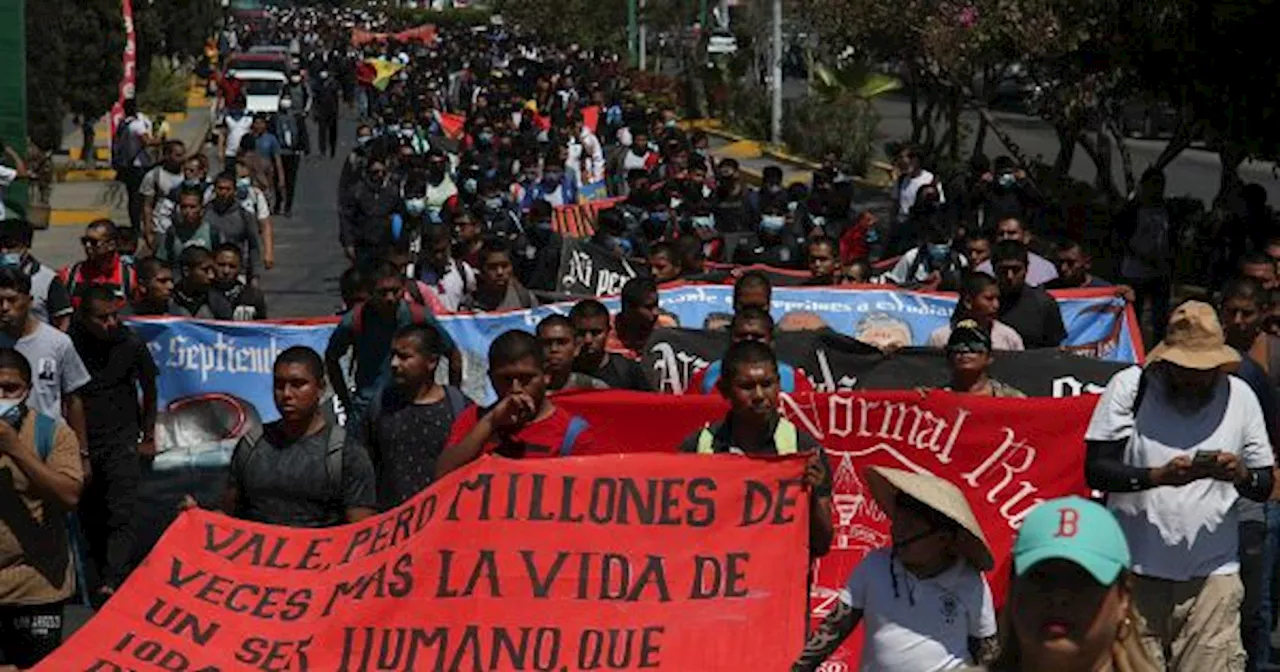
<point x="1194" y="339"/>
<point x="939" y="495"/>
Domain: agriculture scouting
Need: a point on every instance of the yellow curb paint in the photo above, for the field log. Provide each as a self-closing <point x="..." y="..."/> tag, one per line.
<point x="743" y="149"/>
<point x="76" y="217"/>
<point x="105" y="175"/>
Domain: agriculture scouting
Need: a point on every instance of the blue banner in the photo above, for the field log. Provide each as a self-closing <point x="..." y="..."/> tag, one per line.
<point x="200" y="357"/>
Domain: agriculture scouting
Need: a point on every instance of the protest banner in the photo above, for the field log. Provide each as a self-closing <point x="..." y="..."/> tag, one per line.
<point x="639" y="561"/>
<point x="578" y="220"/>
<point x="1006" y="455"/>
<point x="425" y="34"/>
<point x="586" y="269"/>
<point x="835" y="362"/>
<point x="197" y="357"/>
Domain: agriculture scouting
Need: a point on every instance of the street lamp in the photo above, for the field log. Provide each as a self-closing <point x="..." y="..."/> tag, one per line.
<point x="775" y="63"/>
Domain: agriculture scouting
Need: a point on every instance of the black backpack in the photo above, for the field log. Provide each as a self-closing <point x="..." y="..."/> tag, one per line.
<point x="127" y="147"/>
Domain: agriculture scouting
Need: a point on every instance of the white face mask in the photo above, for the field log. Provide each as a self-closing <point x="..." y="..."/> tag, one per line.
<point x="285" y="103"/>
<point x="11" y="409"/>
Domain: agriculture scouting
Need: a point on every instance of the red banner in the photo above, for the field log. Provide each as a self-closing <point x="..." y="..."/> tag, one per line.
<point x="639" y="561"/>
<point x="426" y="34"/>
<point x="129" y="80"/>
<point x="1006" y="455"/>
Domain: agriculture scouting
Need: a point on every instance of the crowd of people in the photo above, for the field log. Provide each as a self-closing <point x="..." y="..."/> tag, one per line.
<point x="447" y="205"/>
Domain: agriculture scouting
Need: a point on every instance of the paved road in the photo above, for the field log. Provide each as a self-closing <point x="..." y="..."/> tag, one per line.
<point x="1195" y="172"/>
<point x="304" y="282"/>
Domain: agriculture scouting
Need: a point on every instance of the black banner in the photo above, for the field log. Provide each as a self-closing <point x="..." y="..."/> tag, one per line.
<point x="586" y="269"/>
<point x="836" y="362"/>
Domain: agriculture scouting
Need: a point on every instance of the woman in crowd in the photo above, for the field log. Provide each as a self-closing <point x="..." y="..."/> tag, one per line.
<point x="979" y="301"/>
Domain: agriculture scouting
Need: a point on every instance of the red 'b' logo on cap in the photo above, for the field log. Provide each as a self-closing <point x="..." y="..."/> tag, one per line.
<point x="1068" y="520"/>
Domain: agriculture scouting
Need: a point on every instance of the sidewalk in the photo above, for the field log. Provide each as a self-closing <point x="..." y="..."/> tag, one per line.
<point x="83" y="195"/>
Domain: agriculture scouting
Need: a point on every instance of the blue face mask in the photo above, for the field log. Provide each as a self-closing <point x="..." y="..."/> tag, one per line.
<point x="11" y="410"/>
<point x="620" y="243"/>
<point x="1007" y="180"/>
<point x="469" y="185"/>
<point x="415" y="206"/>
<point x="772" y="224"/>
<point x="190" y="182"/>
<point x="11" y="259"/>
<point x="704" y="222"/>
<point x="938" y="252"/>
<point x="364" y="140"/>
<point x="494" y="203"/>
<point x="243" y="183"/>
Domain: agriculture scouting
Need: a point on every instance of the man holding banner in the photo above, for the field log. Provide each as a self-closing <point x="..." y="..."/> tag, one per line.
<point x="753" y="426"/>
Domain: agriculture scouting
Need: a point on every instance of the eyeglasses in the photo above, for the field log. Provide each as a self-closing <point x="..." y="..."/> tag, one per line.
<point x="94" y="242"/>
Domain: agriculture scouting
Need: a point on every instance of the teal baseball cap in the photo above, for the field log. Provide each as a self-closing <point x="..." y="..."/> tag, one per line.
<point x="1076" y="530"/>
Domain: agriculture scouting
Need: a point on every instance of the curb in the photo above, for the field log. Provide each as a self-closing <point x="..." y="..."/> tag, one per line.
<point x="713" y="127"/>
<point x="76" y="217"/>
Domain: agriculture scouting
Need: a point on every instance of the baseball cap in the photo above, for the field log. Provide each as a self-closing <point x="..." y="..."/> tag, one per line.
<point x="967" y="336"/>
<point x="1076" y="530"/>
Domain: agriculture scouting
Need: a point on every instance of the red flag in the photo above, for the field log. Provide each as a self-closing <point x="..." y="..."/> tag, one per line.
<point x="452" y="124"/>
<point x="591" y="117"/>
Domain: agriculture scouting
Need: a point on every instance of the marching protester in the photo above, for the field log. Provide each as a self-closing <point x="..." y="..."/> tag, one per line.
<point x="365" y="331"/>
<point x="665" y="263"/>
<point x="192" y="228"/>
<point x="750" y="324"/>
<point x="40" y="460"/>
<point x="933" y="264"/>
<point x="247" y="302"/>
<point x="194" y="295"/>
<point x="1075" y="268"/>
<point x="753" y="426"/>
<point x="524" y="423"/>
<point x="50" y="301"/>
<point x="451" y="280"/>
<point x="1175" y="444"/>
<point x="299" y="471"/>
<point x="121" y="428"/>
<point x="408" y="421"/>
<point x="103" y="264"/>
<point x="496" y="286"/>
<point x="158" y="184"/>
<point x="639" y="315"/>
<point x="824" y="263"/>
<point x="59" y="371"/>
<point x="937" y="556"/>
<point x="753" y="289"/>
<point x="1029" y="310"/>
<point x="592" y="331"/>
<point x="979" y="301"/>
<point x="155" y="289"/>
<point x="559" y="350"/>
<point x="1071" y="603"/>
<point x="1040" y="271"/>
<point x="969" y="357"/>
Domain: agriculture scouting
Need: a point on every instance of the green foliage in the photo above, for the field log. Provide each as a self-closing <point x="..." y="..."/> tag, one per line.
<point x="46" y="72"/>
<point x="590" y="23"/>
<point x="94" y="66"/>
<point x="812" y="126"/>
<point x="165" y="90"/>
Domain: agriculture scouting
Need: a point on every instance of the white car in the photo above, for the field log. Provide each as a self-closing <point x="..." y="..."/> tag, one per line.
<point x="262" y="89"/>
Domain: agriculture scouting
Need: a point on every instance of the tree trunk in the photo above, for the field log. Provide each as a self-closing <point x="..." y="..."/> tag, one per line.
<point x="1102" y="163"/>
<point x="1230" y="155"/>
<point x="1183" y="134"/>
<point x="980" y="137"/>
<point x="1067" y="134"/>
<point x="1005" y="139"/>
<point x="1126" y="157"/>
<point x="954" y="123"/>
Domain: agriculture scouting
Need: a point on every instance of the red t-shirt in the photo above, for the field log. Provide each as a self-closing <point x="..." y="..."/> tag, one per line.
<point x="542" y="438"/>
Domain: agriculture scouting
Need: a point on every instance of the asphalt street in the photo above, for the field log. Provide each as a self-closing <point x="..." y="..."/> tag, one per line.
<point x="309" y="261"/>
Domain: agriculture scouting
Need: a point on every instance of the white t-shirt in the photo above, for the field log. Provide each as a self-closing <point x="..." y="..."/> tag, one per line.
<point x="157" y="184"/>
<point x="7" y="176"/>
<point x="925" y="632"/>
<point x="254" y="202"/>
<point x="456" y="284"/>
<point x="898" y="274"/>
<point x="140" y="126"/>
<point x="908" y="186"/>
<point x="56" y="367"/>
<point x="236" y="130"/>
<point x="1179" y="533"/>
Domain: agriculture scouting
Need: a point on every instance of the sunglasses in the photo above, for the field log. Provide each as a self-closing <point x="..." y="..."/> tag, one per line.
<point x="94" y="242"/>
<point x="968" y="349"/>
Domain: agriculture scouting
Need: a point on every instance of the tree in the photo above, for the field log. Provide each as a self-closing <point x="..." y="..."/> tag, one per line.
<point x="95" y="65"/>
<point x="46" y="72"/>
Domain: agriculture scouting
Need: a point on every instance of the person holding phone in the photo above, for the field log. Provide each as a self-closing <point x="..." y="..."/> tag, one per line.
<point x="1176" y="444"/>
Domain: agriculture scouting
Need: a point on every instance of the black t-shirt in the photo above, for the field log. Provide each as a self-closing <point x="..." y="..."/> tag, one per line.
<point x="722" y="442"/>
<point x="288" y="483"/>
<point x="112" y="412"/>
<point x="404" y="441"/>
<point x="783" y="254"/>
<point x="1035" y="316"/>
<point x="621" y="373"/>
<point x="244" y="299"/>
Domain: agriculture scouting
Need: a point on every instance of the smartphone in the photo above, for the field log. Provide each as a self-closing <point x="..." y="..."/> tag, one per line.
<point x="1205" y="458"/>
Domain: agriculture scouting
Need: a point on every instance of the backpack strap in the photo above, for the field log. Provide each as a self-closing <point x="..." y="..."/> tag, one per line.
<point x="706" y="441"/>
<point x="921" y="254"/>
<point x="333" y="460"/>
<point x="576" y="426"/>
<point x="417" y="312"/>
<point x="415" y="293"/>
<point x="1137" y="397"/>
<point x="785" y="437"/>
<point x="456" y="400"/>
<point x="72" y="272"/>
<point x="46" y="427"/>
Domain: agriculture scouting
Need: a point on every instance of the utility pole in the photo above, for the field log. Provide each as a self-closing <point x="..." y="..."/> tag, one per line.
<point x="631" y="33"/>
<point x="775" y="67"/>
<point x="644" y="35"/>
